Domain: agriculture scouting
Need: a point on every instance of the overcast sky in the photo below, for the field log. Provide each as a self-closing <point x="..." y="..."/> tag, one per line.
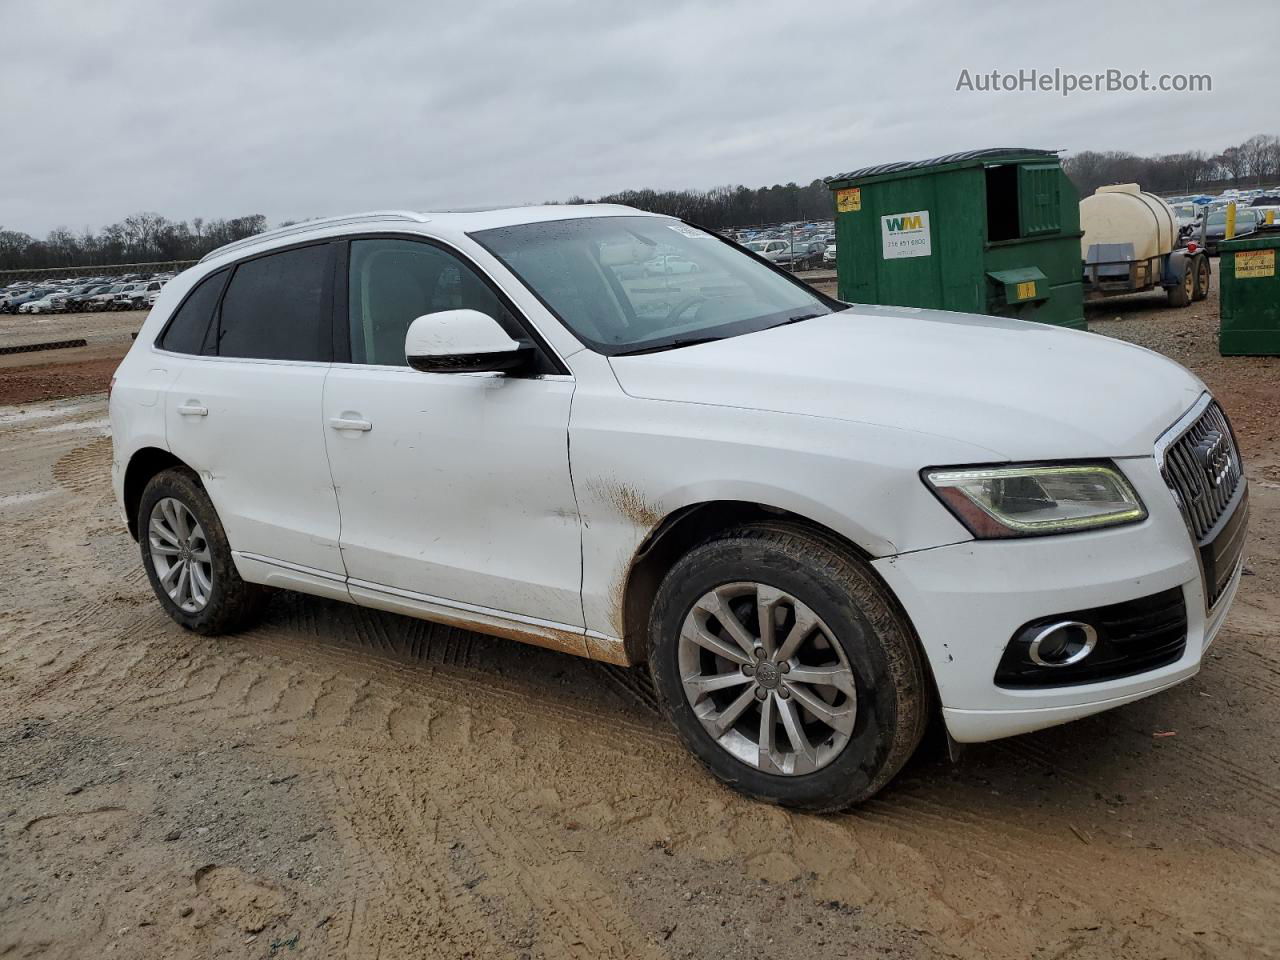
<point x="297" y="108"/>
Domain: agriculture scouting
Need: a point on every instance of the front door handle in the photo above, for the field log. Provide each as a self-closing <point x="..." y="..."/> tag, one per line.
<point x="190" y="409"/>
<point x="350" y="423"/>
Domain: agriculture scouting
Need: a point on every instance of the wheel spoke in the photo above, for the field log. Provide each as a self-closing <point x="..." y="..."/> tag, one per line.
<point x="201" y="583"/>
<point x="838" y="718"/>
<point x="704" y="684"/>
<point x="806" y="755"/>
<point x="170" y="576"/>
<point x="696" y="633"/>
<point x="727" y="717"/>
<point x="163" y="532"/>
<point x="196" y="536"/>
<point x="182" y="592"/>
<point x="164" y="549"/>
<point x="767" y="601"/>
<point x="203" y="556"/>
<point x="768" y="736"/>
<point x="806" y="621"/>
<point x="717" y="605"/>
<point x="834" y="676"/>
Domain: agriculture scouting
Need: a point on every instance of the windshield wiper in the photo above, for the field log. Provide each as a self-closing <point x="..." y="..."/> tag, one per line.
<point x="669" y="345"/>
<point x="803" y="316"/>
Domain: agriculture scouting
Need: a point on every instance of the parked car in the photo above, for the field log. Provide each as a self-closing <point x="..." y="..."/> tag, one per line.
<point x="105" y="299"/>
<point x="1215" y="227"/>
<point x="77" y="298"/>
<point x="14" y="302"/>
<point x="133" y="296"/>
<point x="809" y="522"/>
<point x="801" y="255"/>
<point x="670" y="263"/>
<point x="829" y="254"/>
<point x="771" y="250"/>
<point x="51" y="303"/>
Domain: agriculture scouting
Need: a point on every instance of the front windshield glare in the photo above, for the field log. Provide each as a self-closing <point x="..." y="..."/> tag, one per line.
<point x="631" y="284"/>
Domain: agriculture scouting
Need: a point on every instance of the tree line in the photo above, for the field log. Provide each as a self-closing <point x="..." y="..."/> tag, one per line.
<point x="149" y="237"/>
<point x="140" y="238"/>
<point x="1253" y="163"/>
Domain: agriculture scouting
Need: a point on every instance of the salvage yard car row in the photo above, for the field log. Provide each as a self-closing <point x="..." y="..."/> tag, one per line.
<point x="134" y="293"/>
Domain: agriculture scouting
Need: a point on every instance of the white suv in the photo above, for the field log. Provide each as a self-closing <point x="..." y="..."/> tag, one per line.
<point x="814" y="522"/>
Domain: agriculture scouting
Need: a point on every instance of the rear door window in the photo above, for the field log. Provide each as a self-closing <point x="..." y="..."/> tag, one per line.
<point x="278" y="307"/>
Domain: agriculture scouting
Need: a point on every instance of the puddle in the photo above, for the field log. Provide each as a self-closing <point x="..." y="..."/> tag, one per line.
<point x="25" y="414"/>
<point x="103" y="425"/>
<point x="15" y="499"/>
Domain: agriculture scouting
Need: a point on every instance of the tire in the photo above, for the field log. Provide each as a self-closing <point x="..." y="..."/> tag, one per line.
<point x="1202" y="277"/>
<point x="1180" y="295"/>
<point x="230" y="604"/>
<point x="858" y="632"/>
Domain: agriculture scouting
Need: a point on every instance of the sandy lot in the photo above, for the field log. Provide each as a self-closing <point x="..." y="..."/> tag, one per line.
<point x="346" y="783"/>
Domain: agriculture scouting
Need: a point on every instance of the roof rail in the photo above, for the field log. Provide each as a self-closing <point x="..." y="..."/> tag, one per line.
<point x="307" y="225"/>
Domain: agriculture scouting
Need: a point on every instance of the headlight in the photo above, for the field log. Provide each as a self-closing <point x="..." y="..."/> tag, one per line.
<point x="1032" y="500"/>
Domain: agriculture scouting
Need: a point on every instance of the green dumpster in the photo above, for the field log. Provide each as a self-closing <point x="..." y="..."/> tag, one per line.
<point x="989" y="231"/>
<point x="1250" y="294"/>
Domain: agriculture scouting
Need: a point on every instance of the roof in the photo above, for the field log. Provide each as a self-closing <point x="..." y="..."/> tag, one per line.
<point x="442" y="222"/>
<point x="967" y="157"/>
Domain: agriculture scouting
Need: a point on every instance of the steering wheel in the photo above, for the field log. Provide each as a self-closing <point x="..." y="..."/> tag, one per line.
<point x="684" y="305"/>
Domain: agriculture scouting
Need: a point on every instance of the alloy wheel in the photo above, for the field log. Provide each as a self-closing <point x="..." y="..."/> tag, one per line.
<point x="767" y="679"/>
<point x="181" y="555"/>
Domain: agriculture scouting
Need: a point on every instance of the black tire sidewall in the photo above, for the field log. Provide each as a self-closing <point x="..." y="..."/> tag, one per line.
<point x="182" y="486"/>
<point x="857" y="771"/>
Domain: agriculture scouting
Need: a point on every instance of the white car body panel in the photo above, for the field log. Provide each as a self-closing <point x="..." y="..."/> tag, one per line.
<point x="518" y="506"/>
<point x="260" y="452"/>
<point x="460" y="489"/>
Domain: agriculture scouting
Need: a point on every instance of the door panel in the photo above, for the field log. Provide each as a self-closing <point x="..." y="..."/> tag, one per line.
<point x="459" y="488"/>
<point x="259" y="448"/>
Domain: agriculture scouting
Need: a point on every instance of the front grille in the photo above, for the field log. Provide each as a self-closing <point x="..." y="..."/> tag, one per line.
<point x="1133" y="637"/>
<point x="1203" y="469"/>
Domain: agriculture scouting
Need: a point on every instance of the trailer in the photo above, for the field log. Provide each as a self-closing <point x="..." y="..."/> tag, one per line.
<point x="1131" y="244"/>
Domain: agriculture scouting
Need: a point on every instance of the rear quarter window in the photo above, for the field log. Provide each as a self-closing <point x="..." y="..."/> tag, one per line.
<point x="186" y="332"/>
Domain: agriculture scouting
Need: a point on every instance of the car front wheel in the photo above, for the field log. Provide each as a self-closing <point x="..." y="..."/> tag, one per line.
<point x="188" y="560"/>
<point x="787" y="668"/>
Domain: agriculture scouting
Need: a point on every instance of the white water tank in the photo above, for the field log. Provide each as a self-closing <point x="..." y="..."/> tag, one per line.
<point x="1123" y="213"/>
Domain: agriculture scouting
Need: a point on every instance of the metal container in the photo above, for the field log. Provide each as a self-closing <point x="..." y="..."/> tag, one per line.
<point x="989" y="231"/>
<point x="1250" y="294"/>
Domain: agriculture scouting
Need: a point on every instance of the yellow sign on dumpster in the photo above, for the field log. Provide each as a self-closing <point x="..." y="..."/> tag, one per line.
<point x="1255" y="263"/>
<point x="847" y="201"/>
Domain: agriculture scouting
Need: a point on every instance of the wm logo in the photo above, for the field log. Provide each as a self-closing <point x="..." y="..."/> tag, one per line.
<point x="905" y="223"/>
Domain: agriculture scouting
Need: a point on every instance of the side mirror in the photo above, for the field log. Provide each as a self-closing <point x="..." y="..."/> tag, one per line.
<point x="463" y="341"/>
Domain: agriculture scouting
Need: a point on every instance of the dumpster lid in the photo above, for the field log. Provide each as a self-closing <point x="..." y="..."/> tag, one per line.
<point x="991" y="153"/>
<point x="1016" y="275"/>
<point x="1264" y="236"/>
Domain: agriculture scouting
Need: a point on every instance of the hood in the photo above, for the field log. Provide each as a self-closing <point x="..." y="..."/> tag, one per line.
<point x="1024" y="391"/>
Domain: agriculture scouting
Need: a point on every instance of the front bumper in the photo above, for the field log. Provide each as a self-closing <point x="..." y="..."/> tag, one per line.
<point x="966" y="600"/>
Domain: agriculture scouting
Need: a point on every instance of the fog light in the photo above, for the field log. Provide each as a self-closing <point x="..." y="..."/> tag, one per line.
<point x="1062" y="644"/>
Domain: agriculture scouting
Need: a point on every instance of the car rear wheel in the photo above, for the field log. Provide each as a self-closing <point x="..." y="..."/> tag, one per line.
<point x="188" y="560"/>
<point x="787" y="668"/>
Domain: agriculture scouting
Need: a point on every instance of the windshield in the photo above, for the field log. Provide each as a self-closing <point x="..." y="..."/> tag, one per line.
<point x="596" y="275"/>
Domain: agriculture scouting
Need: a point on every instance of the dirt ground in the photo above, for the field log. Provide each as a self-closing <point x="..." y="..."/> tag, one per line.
<point x="347" y="783"/>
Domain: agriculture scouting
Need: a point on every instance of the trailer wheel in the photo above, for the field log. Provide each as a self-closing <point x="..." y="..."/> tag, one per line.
<point x="1201" y="263"/>
<point x="1180" y="295"/>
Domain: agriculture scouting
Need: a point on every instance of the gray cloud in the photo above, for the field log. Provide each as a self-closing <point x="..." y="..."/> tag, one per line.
<point x="299" y="108"/>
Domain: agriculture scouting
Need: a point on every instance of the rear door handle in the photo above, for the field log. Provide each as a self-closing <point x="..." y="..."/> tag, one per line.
<point x="349" y="423"/>
<point x="193" y="410"/>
